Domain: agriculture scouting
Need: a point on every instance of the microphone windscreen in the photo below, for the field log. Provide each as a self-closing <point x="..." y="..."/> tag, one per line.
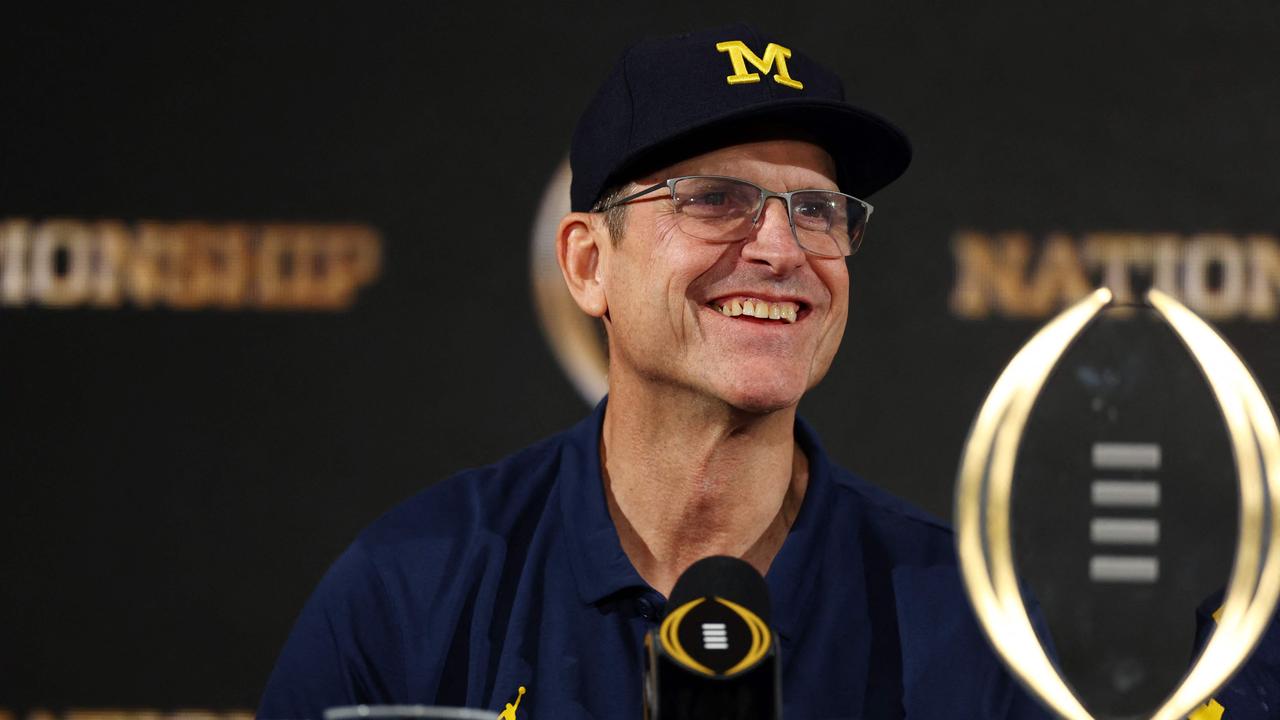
<point x="725" y="577"/>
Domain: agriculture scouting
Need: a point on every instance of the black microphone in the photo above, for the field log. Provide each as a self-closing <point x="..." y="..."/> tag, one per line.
<point x="714" y="656"/>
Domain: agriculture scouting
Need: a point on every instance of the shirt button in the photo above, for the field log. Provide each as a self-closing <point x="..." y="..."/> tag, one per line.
<point x="645" y="608"/>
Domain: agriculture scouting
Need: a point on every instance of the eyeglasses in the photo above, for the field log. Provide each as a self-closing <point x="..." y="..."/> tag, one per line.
<point x="721" y="209"/>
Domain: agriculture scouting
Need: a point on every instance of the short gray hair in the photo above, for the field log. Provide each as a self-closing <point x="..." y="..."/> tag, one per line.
<point x="615" y="218"/>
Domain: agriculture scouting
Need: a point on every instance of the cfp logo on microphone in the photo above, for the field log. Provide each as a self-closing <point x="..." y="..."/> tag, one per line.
<point x="715" y="636"/>
<point x="983" y="504"/>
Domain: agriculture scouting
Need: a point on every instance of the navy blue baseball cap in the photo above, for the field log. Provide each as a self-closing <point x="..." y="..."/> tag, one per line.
<point x="668" y="99"/>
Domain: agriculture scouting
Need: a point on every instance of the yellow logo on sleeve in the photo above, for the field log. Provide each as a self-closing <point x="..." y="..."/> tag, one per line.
<point x="774" y="56"/>
<point x="1209" y="711"/>
<point x="510" y="712"/>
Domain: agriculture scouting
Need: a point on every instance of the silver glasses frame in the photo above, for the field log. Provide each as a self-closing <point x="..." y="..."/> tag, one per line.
<point x="765" y="194"/>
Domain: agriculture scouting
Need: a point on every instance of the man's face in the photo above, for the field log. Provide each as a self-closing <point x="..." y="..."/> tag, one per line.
<point x="665" y="290"/>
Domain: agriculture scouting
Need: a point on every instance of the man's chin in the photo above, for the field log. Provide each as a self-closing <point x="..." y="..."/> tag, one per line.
<point x="763" y="400"/>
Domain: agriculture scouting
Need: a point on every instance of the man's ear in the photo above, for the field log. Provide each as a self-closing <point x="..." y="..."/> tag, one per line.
<point x="580" y="243"/>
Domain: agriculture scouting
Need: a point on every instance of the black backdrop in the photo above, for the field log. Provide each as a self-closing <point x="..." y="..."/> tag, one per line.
<point x="174" y="482"/>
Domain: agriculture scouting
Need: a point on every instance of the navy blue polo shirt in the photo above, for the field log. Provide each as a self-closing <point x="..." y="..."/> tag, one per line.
<point x="512" y="575"/>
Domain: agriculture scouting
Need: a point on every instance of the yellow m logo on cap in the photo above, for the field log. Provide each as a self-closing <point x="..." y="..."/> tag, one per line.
<point x="774" y="56"/>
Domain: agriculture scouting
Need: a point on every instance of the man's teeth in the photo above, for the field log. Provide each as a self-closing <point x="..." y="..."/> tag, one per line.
<point x="761" y="309"/>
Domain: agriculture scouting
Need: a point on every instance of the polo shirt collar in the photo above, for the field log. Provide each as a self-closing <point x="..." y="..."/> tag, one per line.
<point x="601" y="568"/>
<point x="795" y="574"/>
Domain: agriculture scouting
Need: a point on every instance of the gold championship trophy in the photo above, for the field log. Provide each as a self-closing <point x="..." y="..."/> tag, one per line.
<point x="985" y="501"/>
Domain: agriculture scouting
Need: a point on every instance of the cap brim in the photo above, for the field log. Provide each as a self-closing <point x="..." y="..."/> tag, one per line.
<point x="868" y="150"/>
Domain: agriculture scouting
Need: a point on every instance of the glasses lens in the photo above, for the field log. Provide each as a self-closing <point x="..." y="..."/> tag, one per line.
<point x="719" y="209"/>
<point x="715" y="209"/>
<point x="828" y="224"/>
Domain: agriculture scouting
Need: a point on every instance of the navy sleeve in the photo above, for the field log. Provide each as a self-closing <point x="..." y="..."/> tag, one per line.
<point x="328" y="660"/>
<point x="1253" y="693"/>
<point x="948" y="668"/>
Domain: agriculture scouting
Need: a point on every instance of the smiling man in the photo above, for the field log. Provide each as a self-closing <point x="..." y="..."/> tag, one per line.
<point x="716" y="197"/>
<point x="718" y="321"/>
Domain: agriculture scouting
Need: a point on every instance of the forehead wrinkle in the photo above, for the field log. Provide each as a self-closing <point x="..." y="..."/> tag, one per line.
<point x="798" y="164"/>
<point x="778" y="178"/>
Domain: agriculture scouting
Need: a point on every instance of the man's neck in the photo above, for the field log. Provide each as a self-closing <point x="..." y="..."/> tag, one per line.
<point x="686" y="479"/>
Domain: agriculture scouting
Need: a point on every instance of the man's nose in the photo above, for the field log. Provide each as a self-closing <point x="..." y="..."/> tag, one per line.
<point x="772" y="241"/>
